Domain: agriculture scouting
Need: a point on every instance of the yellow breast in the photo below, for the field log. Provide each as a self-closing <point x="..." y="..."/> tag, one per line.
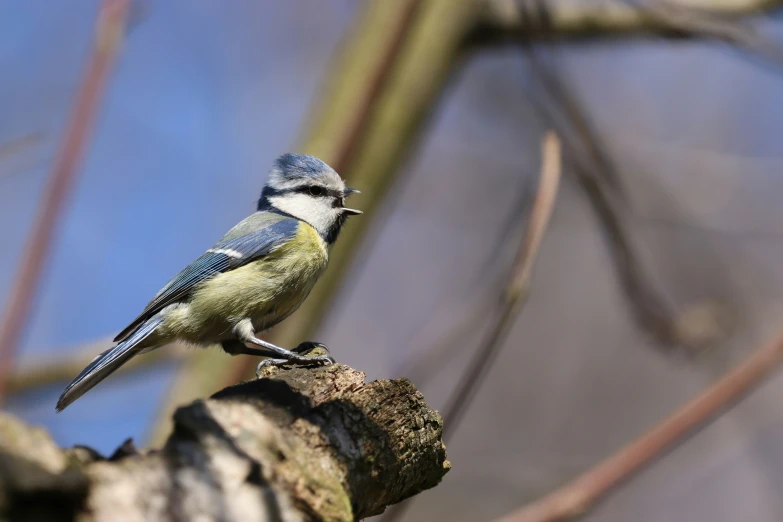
<point x="306" y="252"/>
<point x="267" y="290"/>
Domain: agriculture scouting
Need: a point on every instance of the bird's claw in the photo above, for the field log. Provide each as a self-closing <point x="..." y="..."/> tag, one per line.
<point x="323" y="359"/>
<point x="309" y="346"/>
<point x="268" y="362"/>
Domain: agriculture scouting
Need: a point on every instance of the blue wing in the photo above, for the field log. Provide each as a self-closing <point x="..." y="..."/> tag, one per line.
<point x="227" y="254"/>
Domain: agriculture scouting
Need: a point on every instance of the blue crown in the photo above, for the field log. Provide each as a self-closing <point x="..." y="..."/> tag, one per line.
<point x="300" y="166"/>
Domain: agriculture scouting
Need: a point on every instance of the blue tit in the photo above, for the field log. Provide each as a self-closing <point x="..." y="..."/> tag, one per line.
<point x="254" y="277"/>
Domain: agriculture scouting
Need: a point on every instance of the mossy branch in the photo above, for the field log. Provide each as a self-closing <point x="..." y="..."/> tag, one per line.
<point x="300" y="444"/>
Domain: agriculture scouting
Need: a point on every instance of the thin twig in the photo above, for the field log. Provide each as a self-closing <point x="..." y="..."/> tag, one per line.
<point x="50" y="370"/>
<point x="513" y="298"/>
<point x="577" y="497"/>
<point x="518" y="287"/>
<point x="599" y="178"/>
<point x="707" y="23"/>
<point x="668" y="326"/>
<point x="378" y="80"/>
<point x="15" y="148"/>
<point x="110" y="26"/>
<point x="20" y="143"/>
<point x="454" y="318"/>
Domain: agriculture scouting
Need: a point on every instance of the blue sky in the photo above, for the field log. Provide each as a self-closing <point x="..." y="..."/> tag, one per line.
<point x="203" y="97"/>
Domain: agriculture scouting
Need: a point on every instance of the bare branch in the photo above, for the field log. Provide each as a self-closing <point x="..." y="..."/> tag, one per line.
<point x="512" y="299"/>
<point x="709" y="24"/>
<point x="430" y="346"/>
<point x="50" y="370"/>
<point x="566" y="18"/>
<point x="109" y="31"/>
<point x="697" y="326"/>
<point x="13" y="146"/>
<point x="576" y="498"/>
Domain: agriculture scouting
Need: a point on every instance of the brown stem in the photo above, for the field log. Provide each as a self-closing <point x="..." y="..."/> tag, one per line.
<point x="577" y="497"/>
<point x="19" y="144"/>
<point x="378" y="79"/>
<point x="513" y="298"/>
<point x="51" y="370"/>
<point x="600" y="180"/>
<point x="111" y="21"/>
<point x="518" y="287"/>
<point x="453" y="318"/>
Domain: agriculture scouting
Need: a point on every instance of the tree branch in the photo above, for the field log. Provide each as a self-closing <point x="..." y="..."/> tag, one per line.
<point x="513" y="296"/>
<point x="577" y="497"/>
<point x="517" y="289"/>
<point x="109" y="31"/>
<point x="41" y="371"/>
<point x="691" y="328"/>
<point x="572" y="18"/>
<point x="301" y="444"/>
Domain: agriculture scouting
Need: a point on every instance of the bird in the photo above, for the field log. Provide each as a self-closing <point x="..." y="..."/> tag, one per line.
<point x="255" y="276"/>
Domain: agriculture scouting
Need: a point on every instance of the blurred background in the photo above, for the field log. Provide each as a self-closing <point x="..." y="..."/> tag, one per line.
<point x="203" y="96"/>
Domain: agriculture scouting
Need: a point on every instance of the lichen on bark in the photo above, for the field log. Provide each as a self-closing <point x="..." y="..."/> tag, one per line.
<point x="299" y="444"/>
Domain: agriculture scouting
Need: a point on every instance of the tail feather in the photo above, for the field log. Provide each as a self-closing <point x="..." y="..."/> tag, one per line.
<point x="106" y="363"/>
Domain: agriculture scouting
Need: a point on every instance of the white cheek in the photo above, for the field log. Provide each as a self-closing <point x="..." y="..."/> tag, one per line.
<point x="317" y="212"/>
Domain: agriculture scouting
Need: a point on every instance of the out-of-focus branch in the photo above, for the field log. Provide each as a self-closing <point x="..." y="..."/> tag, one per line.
<point x="566" y="18"/>
<point x="412" y="87"/>
<point x="597" y="175"/>
<point x="382" y="86"/>
<point x="430" y="346"/>
<point x="429" y="353"/>
<point x="50" y="370"/>
<point x="512" y="299"/>
<point x="709" y="24"/>
<point x="11" y="148"/>
<point x="109" y="31"/>
<point x="517" y="289"/>
<point x="577" y="497"/>
<point x="696" y="327"/>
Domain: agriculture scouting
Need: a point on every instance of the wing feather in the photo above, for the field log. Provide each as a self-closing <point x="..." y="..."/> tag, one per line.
<point x="227" y="254"/>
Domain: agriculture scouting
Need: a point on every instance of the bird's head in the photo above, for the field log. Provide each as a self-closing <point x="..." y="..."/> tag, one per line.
<point x="308" y="189"/>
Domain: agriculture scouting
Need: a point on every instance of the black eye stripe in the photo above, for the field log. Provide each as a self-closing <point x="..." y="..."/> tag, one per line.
<point x="315" y="190"/>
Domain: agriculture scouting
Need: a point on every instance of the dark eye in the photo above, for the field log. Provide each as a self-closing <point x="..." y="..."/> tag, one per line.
<point x="317" y="191"/>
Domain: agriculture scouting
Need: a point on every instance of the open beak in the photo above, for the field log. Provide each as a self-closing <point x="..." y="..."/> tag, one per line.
<point x="351" y="211"/>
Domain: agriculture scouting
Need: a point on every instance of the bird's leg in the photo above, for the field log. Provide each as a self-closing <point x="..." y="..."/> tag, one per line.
<point x="246" y="334"/>
<point x="289" y="355"/>
<point x="234" y="347"/>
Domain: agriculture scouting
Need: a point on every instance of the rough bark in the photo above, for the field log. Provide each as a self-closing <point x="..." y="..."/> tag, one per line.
<point x="300" y="444"/>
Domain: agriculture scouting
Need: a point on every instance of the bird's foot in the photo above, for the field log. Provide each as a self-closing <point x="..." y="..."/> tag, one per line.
<point x="297" y="359"/>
